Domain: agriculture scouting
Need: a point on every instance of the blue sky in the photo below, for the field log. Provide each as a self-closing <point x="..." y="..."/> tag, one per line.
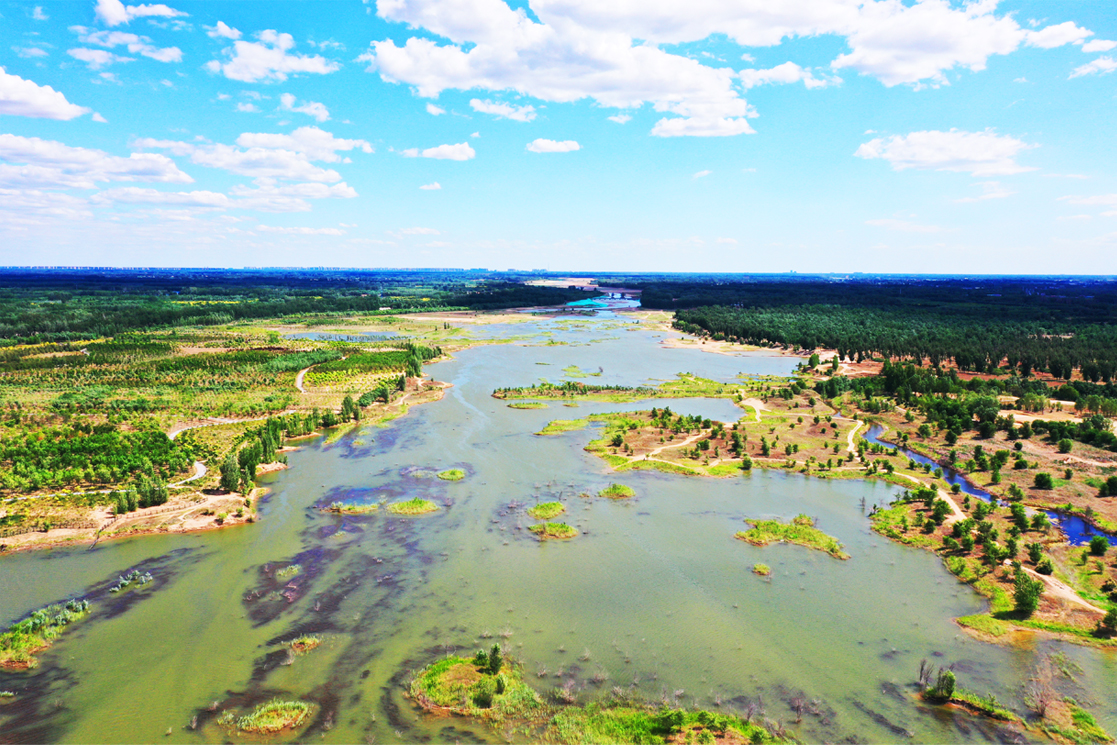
<point x="642" y="135"/>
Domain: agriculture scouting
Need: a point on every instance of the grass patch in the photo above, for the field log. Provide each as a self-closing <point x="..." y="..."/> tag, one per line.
<point x="1086" y="724"/>
<point x="614" y="724"/>
<point x="341" y="508"/>
<point x="472" y="687"/>
<point x="724" y="469"/>
<point x="800" y="531"/>
<point x="617" y="491"/>
<point x="558" y="426"/>
<point x="35" y="633"/>
<point x="985" y="706"/>
<point x="761" y="570"/>
<point x="553" y="530"/>
<point x="649" y="465"/>
<point x="453" y="474"/>
<point x="275" y="716"/>
<point x="288" y="571"/>
<point x="547" y="510"/>
<point x="414" y="506"/>
<point x="984" y="623"/>
<point x="527" y="405"/>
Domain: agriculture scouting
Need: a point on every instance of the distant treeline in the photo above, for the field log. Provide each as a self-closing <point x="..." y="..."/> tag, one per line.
<point x="1028" y="325"/>
<point x="59" y="307"/>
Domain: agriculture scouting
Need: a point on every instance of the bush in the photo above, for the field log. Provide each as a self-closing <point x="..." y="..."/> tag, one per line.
<point x="1065" y="445"/>
<point x="943" y="688"/>
<point x="1099" y="545"/>
<point x="1044" y="481"/>
<point x="1108" y="625"/>
<point x="1044" y="566"/>
<point x="1026" y="592"/>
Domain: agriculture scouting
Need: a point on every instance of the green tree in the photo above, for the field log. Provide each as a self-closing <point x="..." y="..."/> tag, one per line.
<point x="1099" y="545"/>
<point x="230" y="473"/>
<point x="1065" y="445"/>
<point x="1044" y="481"/>
<point x="495" y="660"/>
<point x="1026" y="592"/>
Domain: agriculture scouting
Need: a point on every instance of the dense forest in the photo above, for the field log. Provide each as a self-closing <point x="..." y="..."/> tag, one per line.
<point x="1029" y="325"/>
<point x="60" y="305"/>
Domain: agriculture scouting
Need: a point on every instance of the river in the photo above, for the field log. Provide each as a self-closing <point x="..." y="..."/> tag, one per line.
<point x="655" y="597"/>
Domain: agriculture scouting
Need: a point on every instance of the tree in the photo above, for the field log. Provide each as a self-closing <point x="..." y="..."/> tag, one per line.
<point x="943" y="689"/>
<point x="1099" y="545"/>
<point x="1026" y="592"/>
<point x="1044" y="481"/>
<point x="230" y="473"/>
<point x="1108" y="625"/>
<point x="1065" y="445"/>
<point x="495" y="660"/>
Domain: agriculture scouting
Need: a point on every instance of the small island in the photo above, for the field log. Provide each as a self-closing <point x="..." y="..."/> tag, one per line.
<point x="20" y="643"/>
<point x="547" y="510"/>
<point x="452" y="474"/>
<point x="800" y="531"/>
<point x="269" y="718"/>
<point x="761" y="570"/>
<point x="553" y="530"/>
<point x="416" y="506"/>
<point x="617" y="491"/>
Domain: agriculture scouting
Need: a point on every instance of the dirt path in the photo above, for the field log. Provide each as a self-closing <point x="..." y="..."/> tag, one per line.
<point x="299" y="379"/>
<point x="178" y="429"/>
<point x="688" y="441"/>
<point x="757" y="405"/>
<point x="1033" y="449"/>
<point x="849" y="438"/>
<point x="1063" y="591"/>
<point x="199" y="472"/>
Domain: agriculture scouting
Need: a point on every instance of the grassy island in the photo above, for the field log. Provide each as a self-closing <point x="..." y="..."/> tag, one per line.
<point x="273" y="717"/>
<point x="416" y="506"/>
<point x="800" y="531"/>
<point x="35" y="633"/>
<point x="553" y="530"/>
<point x="495" y="692"/>
<point x="761" y="570"/>
<point x="527" y="405"/>
<point x="547" y="510"/>
<point x="617" y="491"/>
<point x="558" y="426"/>
<point x="305" y="643"/>
<point x="341" y="508"/>
<point x="453" y="474"/>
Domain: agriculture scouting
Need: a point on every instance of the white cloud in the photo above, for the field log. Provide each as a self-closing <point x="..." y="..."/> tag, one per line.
<point x="1105" y="200"/>
<point x="269" y="188"/>
<point x="301" y="231"/>
<point x="461" y="151"/>
<point x="435" y="110"/>
<point x="1102" y="66"/>
<point x="1099" y="45"/>
<point x="620" y="118"/>
<point x="223" y="31"/>
<point x="727" y="241"/>
<point x="431" y="187"/>
<point x="978" y="153"/>
<point x="137" y="195"/>
<point x="39" y="15"/>
<point x="904" y="226"/>
<point x="1057" y="36"/>
<point x="98" y="118"/>
<point x="551" y="146"/>
<point x="310" y="108"/>
<point x="702" y="174"/>
<point x="702" y="127"/>
<point x="30" y="52"/>
<point x="248" y="108"/>
<point x="114" y="12"/>
<point x="19" y="97"/>
<point x="96" y="58"/>
<point x="30" y="162"/>
<point x="475" y="134"/>
<point x="990" y="190"/>
<point x="503" y="110"/>
<point x="788" y="72"/>
<point x="136" y="44"/>
<point x="268" y="59"/>
<point x="269" y="156"/>
<point x="416" y="231"/>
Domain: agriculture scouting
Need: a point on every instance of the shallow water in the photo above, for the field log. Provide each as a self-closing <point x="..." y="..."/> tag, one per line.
<point x="656" y="592"/>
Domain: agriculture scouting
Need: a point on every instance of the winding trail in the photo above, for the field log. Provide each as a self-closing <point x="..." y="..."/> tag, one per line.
<point x="857" y="424"/>
<point x="1063" y="591"/>
<point x="757" y="406"/>
<point x="299" y="379"/>
<point x="199" y="471"/>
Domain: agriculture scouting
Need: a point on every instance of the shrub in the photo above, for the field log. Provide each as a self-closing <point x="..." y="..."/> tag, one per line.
<point x="1099" y="545"/>
<point x="1107" y="626"/>
<point x="1065" y="445"/>
<point x="1026" y="592"/>
<point x="1044" y="566"/>
<point x="943" y="688"/>
<point x="1044" y="481"/>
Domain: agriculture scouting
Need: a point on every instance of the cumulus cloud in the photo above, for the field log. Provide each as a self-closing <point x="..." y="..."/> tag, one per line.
<point x="315" y="143"/>
<point x="461" y="151"/>
<point x="39" y="15"/>
<point x="135" y="44"/>
<point x="31" y="162"/>
<point x="1099" y="45"/>
<point x="96" y="58"/>
<point x="611" y="52"/>
<point x="266" y="187"/>
<point x="248" y="108"/>
<point x="1103" y="200"/>
<point x="221" y="30"/>
<point x="435" y="110"/>
<point x="904" y="226"/>
<point x="503" y="110"/>
<point x="114" y="12"/>
<point x="990" y="190"/>
<point x="19" y="97"/>
<point x="268" y="59"/>
<point x="620" y="118"/>
<point x="310" y="108"/>
<point x="431" y="187"/>
<point x="978" y="153"/>
<point x="417" y="231"/>
<point x="702" y="174"/>
<point x="551" y="146"/>
<point x="138" y="195"/>
<point x="1101" y="66"/>
<point x="788" y="72"/>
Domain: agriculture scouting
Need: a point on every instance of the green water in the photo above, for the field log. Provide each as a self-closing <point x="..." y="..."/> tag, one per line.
<point x="656" y="592"/>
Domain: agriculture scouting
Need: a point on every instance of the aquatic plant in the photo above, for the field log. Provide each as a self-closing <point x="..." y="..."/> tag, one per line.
<point x="617" y="491"/>
<point x="23" y="639"/>
<point x="547" y="510"/>
<point x="341" y="508"/>
<point x="762" y="570"/>
<point x="288" y="571"/>
<point x="453" y="474"/>
<point x="415" y="506"/>
<point x="133" y="577"/>
<point x="305" y="643"/>
<point x="553" y="530"/>
<point x="274" y="716"/>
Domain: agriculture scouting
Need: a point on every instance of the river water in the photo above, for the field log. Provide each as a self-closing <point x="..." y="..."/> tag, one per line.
<point x="655" y="596"/>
